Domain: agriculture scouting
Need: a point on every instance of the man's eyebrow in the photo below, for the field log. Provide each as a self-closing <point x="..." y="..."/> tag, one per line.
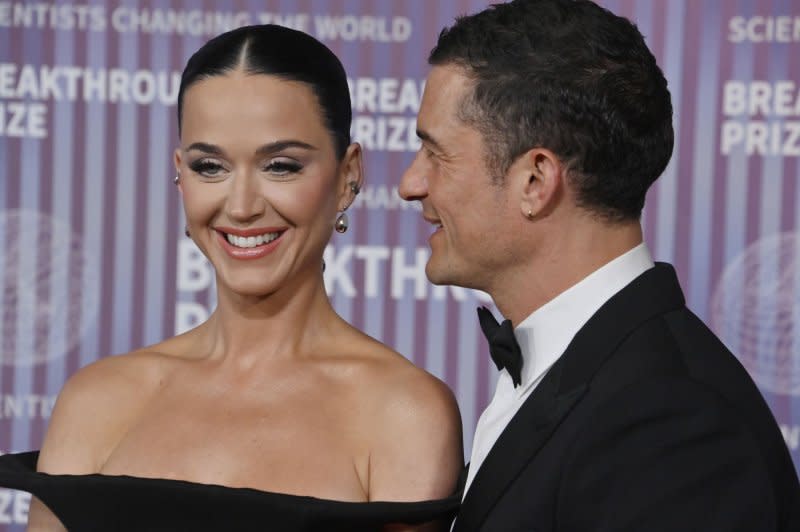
<point x="266" y="149"/>
<point x="426" y="137"/>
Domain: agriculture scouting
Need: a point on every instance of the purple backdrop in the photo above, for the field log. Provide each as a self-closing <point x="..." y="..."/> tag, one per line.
<point x="93" y="261"/>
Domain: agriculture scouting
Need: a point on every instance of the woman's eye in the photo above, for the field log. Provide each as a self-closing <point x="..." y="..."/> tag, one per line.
<point x="282" y="167"/>
<point x="207" y="168"/>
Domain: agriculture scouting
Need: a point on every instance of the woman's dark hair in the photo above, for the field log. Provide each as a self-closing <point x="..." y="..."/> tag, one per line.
<point x="283" y="52"/>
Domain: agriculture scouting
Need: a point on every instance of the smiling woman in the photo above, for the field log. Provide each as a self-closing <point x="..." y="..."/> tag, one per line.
<point x="274" y="413"/>
<point x="256" y="159"/>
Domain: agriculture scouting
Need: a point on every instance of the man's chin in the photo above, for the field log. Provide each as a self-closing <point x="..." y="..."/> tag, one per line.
<point x="436" y="275"/>
<point x="441" y="275"/>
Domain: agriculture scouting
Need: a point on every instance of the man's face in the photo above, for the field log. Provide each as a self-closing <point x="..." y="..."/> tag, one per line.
<point x="471" y="242"/>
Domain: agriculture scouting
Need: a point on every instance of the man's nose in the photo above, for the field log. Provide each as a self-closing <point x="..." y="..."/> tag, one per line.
<point x="414" y="182"/>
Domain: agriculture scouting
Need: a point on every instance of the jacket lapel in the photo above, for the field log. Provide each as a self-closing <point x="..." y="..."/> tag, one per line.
<point x="653" y="293"/>
<point x="525" y="434"/>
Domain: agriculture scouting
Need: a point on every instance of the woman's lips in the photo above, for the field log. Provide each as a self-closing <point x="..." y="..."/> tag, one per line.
<point x="250" y="244"/>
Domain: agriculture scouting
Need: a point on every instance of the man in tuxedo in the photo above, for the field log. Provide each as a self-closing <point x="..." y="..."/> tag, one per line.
<point x="543" y="123"/>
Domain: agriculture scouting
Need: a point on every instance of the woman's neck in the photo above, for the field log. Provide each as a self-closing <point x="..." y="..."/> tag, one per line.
<point x="286" y="324"/>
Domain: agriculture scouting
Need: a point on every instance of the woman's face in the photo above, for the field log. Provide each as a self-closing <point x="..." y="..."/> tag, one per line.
<point x="260" y="180"/>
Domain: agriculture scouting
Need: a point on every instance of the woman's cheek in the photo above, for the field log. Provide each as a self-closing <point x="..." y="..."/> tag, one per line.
<point x="198" y="203"/>
<point x="303" y="205"/>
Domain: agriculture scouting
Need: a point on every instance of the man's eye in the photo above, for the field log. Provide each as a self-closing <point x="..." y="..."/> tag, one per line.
<point x="429" y="154"/>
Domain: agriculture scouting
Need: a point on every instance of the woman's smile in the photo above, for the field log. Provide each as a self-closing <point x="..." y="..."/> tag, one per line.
<point x="247" y="244"/>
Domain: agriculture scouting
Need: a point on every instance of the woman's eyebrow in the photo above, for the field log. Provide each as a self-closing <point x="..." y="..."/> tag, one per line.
<point x="279" y="145"/>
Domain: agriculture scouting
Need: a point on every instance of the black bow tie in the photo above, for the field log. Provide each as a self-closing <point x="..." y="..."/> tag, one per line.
<point x="503" y="344"/>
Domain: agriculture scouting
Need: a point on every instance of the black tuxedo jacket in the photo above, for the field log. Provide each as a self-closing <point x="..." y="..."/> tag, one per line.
<point x="646" y="423"/>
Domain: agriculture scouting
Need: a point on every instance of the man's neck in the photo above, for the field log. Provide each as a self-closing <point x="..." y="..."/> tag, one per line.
<point x="568" y="258"/>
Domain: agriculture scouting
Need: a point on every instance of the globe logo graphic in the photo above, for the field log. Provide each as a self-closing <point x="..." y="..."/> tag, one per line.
<point x="754" y="309"/>
<point x="47" y="288"/>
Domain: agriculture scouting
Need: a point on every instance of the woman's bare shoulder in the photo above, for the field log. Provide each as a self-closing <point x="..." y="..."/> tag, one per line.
<point x="397" y="380"/>
<point x="393" y="383"/>
<point x="96" y="406"/>
<point x="414" y="400"/>
<point x="415" y="429"/>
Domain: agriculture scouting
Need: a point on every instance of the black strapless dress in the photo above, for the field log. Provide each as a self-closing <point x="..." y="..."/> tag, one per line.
<point x="122" y="503"/>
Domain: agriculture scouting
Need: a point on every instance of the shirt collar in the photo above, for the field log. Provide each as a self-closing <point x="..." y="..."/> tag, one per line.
<point x="545" y="334"/>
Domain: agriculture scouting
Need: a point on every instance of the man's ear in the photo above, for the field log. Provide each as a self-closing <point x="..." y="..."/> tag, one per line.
<point x="176" y="158"/>
<point x="539" y="174"/>
<point x="351" y="176"/>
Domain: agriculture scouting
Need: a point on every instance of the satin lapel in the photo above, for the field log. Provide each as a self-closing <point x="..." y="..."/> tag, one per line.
<point x="653" y="293"/>
<point x="528" y="430"/>
<point x="650" y="295"/>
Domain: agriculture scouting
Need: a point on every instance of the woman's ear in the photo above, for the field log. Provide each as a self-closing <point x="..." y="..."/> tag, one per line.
<point x="540" y="178"/>
<point x="177" y="160"/>
<point x="351" y="176"/>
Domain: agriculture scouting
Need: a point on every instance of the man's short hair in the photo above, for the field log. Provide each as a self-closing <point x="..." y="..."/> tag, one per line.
<point x="572" y="77"/>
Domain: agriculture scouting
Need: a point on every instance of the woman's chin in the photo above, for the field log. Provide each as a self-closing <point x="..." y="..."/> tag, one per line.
<point x="249" y="288"/>
<point x="263" y="282"/>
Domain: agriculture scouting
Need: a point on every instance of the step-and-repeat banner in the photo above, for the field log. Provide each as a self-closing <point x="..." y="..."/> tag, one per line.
<point x="93" y="260"/>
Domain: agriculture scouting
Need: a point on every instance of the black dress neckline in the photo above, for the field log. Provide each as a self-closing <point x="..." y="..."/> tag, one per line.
<point x="97" y="501"/>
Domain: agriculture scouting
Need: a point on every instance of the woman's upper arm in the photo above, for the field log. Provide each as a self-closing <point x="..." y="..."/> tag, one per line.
<point x="418" y="452"/>
<point x="68" y="446"/>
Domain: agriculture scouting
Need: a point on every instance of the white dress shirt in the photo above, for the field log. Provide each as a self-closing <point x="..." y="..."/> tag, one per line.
<point x="544" y="336"/>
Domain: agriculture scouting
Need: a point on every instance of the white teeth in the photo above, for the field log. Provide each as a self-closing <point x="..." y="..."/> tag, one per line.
<point x="250" y="241"/>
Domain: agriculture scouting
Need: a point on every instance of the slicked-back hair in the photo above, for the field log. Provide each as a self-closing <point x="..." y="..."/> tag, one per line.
<point x="571" y="77"/>
<point x="285" y="53"/>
